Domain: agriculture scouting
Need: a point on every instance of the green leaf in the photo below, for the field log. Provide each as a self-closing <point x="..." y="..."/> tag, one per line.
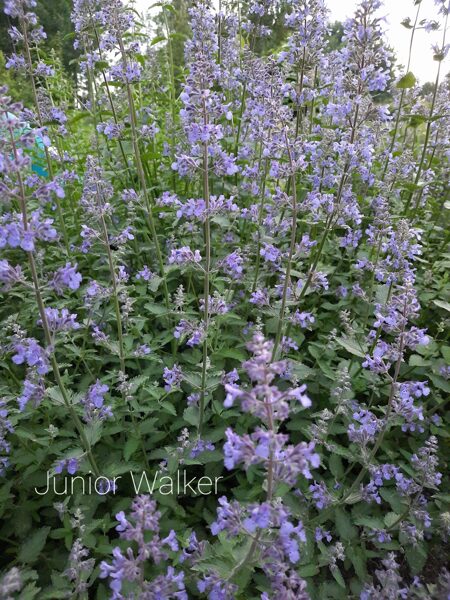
<point x="391" y="518"/>
<point x="234" y="353"/>
<point x="300" y="369"/>
<point x="168" y="407"/>
<point x="79" y="117"/>
<point x="351" y="346"/>
<point x="191" y="415"/>
<point x="32" y="546"/>
<point x="338" y="576"/>
<point x="441" y="383"/>
<point x="130" y="447"/>
<point x="147" y="426"/>
<point x="416" y="557"/>
<point x="442" y="304"/>
<point x="30" y="591"/>
<point x="55" y="395"/>
<point x="175" y="35"/>
<point x="308" y="570"/>
<point x="415" y="121"/>
<point x="407" y="81"/>
<point x="359" y="560"/>
<point x="393" y="498"/>
<point x="342" y="451"/>
<point x="157" y="39"/>
<point x="418" y="361"/>
<point x="136" y="382"/>
<point x="370" y="522"/>
<point x="344" y="526"/>
<point x="335" y="465"/>
<point x="156" y="309"/>
<point x="93" y="432"/>
<point x="154" y="283"/>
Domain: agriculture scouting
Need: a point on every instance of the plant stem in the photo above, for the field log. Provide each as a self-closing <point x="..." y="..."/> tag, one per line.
<point x="428" y="129"/>
<point x="172" y="93"/>
<point x="402" y="96"/>
<point x="287" y="276"/>
<point x="48" y="337"/>
<point x="380" y="437"/>
<point x="260" y="220"/>
<point x="41" y="125"/>
<point x="119" y="325"/>
<point x="141" y="174"/>
<point x="207" y="238"/>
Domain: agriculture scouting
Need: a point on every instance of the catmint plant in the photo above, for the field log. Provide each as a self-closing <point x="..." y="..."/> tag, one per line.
<point x="223" y="273"/>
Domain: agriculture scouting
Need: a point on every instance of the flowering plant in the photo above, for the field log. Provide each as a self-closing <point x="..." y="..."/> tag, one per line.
<point x="223" y="272"/>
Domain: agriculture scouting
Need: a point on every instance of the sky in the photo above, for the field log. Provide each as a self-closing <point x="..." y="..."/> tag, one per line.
<point x="422" y="64"/>
<point x="395" y="11"/>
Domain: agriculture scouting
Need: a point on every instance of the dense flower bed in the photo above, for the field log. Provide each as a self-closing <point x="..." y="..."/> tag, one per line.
<point x="224" y="357"/>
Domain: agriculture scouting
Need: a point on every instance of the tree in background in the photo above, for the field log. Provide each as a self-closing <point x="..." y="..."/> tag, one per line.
<point x="17" y="83"/>
<point x="335" y="36"/>
<point x="173" y="20"/>
<point x="60" y="32"/>
<point x="60" y="35"/>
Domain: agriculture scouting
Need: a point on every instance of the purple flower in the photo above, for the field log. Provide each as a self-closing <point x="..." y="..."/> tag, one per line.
<point x="260" y="297"/>
<point x="233" y="265"/>
<point x="196" y="333"/>
<point x="68" y="464"/>
<point x="184" y="255"/>
<point x="142" y="350"/>
<point x="93" y="403"/>
<point x="270" y="253"/>
<point x="381" y="536"/>
<point x="444" y="371"/>
<point x="111" y="130"/>
<point x="260" y="517"/>
<point x="288" y="344"/>
<point x="5" y="428"/>
<point x="14" y="234"/>
<point x="425" y="463"/>
<point x="33" y="391"/>
<point x="321" y="534"/>
<point x="216" y="305"/>
<point x="193" y="399"/>
<point x="30" y="352"/>
<point x="172" y="377"/>
<point x="367" y="428"/>
<point x="16" y="62"/>
<point x="230" y="378"/>
<point x="144" y="518"/>
<point x="253" y="449"/>
<point x="201" y="446"/>
<point x="66" y="277"/>
<point x="122" y="568"/>
<point x="44" y="70"/>
<point x="60" y="320"/>
<point x="194" y="550"/>
<point x="320" y="495"/>
<point x="229" y="515"/>
<point x="217" y="588"/>
<point x="303" y="319"/>
<point x="144" y="274"/>
<point x="290" y="537"/>
<point x="9" y="275"/>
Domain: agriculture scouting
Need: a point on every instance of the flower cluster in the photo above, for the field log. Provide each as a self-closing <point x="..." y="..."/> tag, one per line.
<point x="282" y="462"/>
<point x="223" y="261"/>
<point x="128" y="567"/>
